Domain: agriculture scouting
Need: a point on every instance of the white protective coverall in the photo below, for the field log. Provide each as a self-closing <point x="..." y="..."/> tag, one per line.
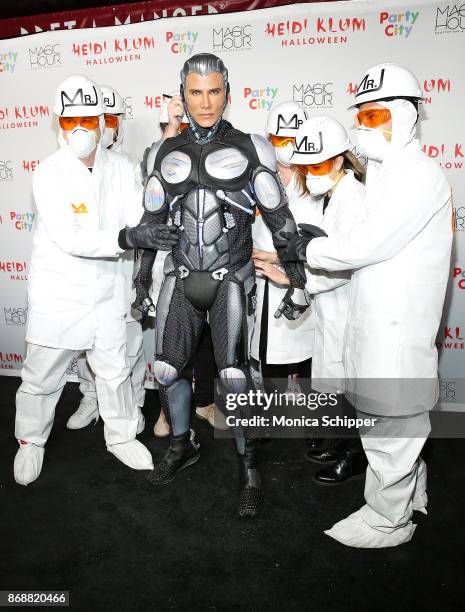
<point x="134" y="347"/>
<point x="77" y="298"/>
<point x="330" y="290"/>
<point x="400" y="256"/>
<point x="288" y="341"/>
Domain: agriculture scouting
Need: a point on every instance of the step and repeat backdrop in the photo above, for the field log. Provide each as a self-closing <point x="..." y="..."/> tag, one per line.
<point x="313" y="54"/>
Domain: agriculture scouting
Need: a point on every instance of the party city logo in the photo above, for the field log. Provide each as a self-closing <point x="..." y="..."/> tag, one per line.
<point x="315" y="31"/>
<point x="262" y="98"/>
<point x="450" y="157"/>
<point x="313" y="95"/>
<point x="114" y="51"/>
<point x="22" y="221"/>
<point x="8" y="62"/>
<point x="458" y="276"/>
<point x="398" y="24"/>
<point x="15" y="316"/>
<point x="181" y="42"/>
<point x="47" y="56"/>
<point x="450" y="19"/>
<point x="16" y="117"/>
<point x="232" y="38"/>
<point x="6" y="170"/>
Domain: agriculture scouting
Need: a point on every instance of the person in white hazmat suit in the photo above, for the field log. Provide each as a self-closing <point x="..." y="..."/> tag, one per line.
<point x="334" y="180"/>
<point x="400" y="256"/>
<point x="284" y="348"/>
<point x="87" y="412"/>
<point x="85" y="195"/>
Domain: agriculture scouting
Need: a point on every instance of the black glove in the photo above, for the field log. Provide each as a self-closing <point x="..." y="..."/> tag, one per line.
<point x="155" y="236"/>
<point x="295" y="246"/>
<point x="290" y="309"/>
<point x="140" y="309"/>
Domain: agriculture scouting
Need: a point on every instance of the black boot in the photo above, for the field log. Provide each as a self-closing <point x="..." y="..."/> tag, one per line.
<point x="351" y="465"/>
<point x="251" y="493"/>
<point x="331" y="452"/>
<point x="183" y="451"/>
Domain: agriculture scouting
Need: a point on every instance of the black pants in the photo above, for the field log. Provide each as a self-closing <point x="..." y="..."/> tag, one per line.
<point x="275" y="374"/>
<point x="204" y="370"/>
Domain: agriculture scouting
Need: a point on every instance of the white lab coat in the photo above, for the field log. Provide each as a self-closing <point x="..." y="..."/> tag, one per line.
<point x="288" y="341"/>
<point x="134" y="338"/>
<point x="75" y="280"/>
<point x="401" y="258"/>
<point x="345" y="209"/>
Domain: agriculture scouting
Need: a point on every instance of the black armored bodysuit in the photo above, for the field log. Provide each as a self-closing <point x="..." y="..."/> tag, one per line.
<point x="210" y="192"/>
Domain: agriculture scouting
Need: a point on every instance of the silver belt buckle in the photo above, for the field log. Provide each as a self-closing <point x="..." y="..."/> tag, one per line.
<point x="183" y="272"/>
<point x="219" y="274"/>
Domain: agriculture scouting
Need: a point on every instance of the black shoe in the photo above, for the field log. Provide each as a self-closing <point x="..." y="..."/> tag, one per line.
<point x="251" y="493"/>
<point x="183" y="451"/>
<point x="314" y="443"/>
<point x="332" y="452"/>
<point x="351" y="465"/>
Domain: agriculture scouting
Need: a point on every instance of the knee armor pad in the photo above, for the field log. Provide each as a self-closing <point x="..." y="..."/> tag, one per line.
<point x="165" y="373"/>
<point x="234" y="380"/>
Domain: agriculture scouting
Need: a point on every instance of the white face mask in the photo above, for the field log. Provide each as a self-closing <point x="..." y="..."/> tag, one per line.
<point x="81" y="141"/>
<point x="319" y="185"/>
<point x="108" y="138"/>
<point x="284" y="154"/>
<point x="372" y="143"/>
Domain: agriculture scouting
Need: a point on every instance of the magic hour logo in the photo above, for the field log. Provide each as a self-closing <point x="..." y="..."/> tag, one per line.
<point x="232" y="38"/>
<point x="45" y="56"/>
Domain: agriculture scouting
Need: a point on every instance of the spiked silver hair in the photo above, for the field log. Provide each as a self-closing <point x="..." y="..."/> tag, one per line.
<point x="203" y="64"/>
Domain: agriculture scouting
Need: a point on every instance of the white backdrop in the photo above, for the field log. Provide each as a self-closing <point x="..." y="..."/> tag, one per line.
<point x="312" y="53"/>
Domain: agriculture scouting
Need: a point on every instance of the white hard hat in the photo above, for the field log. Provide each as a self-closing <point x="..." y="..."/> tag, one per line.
<point x="163" y="118"/>
<point x="387" y="81"/>
<point x="285" y="119"/>
<point x="112" y="100"/>
<point x="78" y="96"/>
<point x="318" y="139"/>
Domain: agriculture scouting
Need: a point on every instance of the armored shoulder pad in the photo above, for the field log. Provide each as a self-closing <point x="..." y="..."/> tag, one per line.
<point x="265" y="151"/>
<point x="151" y="155"/>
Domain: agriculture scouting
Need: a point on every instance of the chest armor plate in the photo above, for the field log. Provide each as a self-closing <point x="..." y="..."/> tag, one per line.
<point x="214" y="166"/>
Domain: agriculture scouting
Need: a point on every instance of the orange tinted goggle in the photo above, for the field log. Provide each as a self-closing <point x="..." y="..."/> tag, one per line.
<point x="281" y="141"/>
<point x="320" y="169"/>
<point x="111" y="121"/>
<point x="69" y="123"/>
<point x="373" y="117"/>
<point x="183" y="126"/>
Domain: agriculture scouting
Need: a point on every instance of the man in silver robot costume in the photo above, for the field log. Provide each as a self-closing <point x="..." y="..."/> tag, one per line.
<point x="208" y="180"/>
